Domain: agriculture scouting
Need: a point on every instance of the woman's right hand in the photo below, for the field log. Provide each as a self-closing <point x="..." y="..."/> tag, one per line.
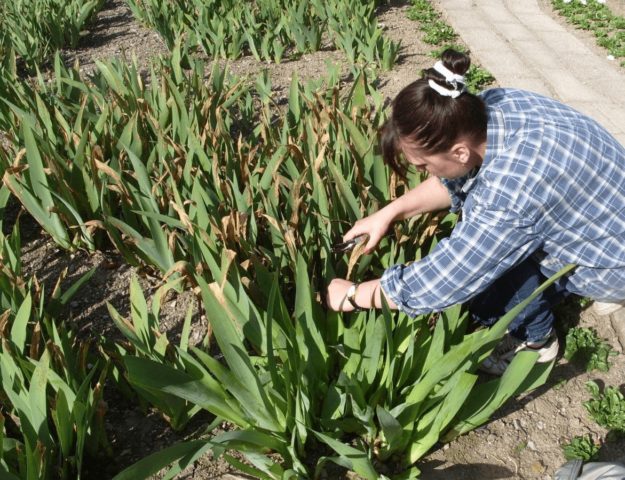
<point x="429" y="196"/>
<point x="374" y="226"/>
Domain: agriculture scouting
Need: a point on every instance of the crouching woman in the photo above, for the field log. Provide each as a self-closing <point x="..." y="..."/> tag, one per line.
<point x="538" y="184"/>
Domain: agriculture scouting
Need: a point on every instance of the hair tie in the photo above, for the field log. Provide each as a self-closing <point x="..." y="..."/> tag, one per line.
<point x="451" y="78"/>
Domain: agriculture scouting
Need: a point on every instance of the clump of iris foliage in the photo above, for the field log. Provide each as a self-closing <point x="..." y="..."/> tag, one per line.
<point x="205" y="179"/>
<point x="52" y="412"/>
<point x="33" y="29"/>
<point x="272" y="30"/>
<point x="212" y="184"/>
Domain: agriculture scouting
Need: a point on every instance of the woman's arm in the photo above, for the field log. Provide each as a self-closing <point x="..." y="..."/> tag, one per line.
<point x="367" y="295"/>
<point x="429" y="196"/>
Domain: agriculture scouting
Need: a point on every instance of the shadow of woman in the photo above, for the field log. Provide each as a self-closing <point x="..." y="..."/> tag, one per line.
<point x="431" y="471"/>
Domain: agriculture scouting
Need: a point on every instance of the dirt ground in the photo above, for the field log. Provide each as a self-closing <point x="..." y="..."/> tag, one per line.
<point x="524" y="439"/>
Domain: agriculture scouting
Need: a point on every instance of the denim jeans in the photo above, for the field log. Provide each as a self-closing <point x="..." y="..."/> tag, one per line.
<point x="536" y="320"/>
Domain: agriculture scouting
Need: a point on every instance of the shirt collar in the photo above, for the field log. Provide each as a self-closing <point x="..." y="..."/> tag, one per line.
<point x="471" y="178"/>
<point x="495" y="134"/>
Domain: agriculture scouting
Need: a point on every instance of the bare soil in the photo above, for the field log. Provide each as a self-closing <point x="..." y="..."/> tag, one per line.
<point x="523" y="440"/>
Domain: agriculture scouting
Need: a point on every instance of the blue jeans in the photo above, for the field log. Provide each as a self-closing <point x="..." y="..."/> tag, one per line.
<point x="535" y="321"/>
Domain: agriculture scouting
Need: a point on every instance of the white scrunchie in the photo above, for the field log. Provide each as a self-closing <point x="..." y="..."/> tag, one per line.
<point x="457" y="81"/>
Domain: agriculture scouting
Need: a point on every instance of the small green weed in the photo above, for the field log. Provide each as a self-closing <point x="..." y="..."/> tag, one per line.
<point x="581" y="447"/>
<point x="599" y="19"/>
<point x="422" y="11"/>
<point x="520" y="447"/>
<point x="607" y="408"/>
<point x="583" y="346"/>
<point x="560" y="384"/>
<point x="478" y="78"/>
<point x="442" y="36"/>
<point x="437" y="32"/>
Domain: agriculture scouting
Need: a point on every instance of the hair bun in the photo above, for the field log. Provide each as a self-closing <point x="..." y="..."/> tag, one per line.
<point x="457" y="62"/>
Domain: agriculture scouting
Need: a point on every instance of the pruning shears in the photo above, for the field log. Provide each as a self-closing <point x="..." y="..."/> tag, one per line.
<point x="342" y="247"/>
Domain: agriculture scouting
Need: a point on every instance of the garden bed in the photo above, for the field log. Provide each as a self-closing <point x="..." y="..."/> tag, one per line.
<point x="523" y="440"/>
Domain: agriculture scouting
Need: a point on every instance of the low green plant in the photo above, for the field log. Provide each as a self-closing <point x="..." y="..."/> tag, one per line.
<point x="520" y="447"/>
<point x="423" y="12"/>
<point x="295" y="378"/>
<point x="52" y="412"/>
<point x="35" y="28"/>
<point x="596" y="17"/>
<point x="581" y="447"/>
<point x="272" y="29"/>
<point x="583" y="346"/>
<point x="478" y="78"/>
<point x="606" y="407"/>
<point x="436" y="31"/>
<point x="442" y="36"/>
<point x="146" y="340"/>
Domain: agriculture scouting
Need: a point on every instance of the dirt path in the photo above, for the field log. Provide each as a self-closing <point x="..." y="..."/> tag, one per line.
<point x="524" y="439"/>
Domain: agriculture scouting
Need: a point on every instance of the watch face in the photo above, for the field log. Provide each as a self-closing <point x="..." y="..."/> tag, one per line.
<point x="351" y="296"/>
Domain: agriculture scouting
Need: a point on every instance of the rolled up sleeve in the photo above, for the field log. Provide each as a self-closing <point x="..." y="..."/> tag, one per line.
<point x="476" y="253"/>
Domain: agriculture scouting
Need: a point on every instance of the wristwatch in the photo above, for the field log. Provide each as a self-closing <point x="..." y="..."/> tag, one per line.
<point x="351" y="296"/>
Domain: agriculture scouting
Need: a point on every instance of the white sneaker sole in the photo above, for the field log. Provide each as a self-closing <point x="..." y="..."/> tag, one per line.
<point x="548" y="352"/>
<point x="497" y="366"/>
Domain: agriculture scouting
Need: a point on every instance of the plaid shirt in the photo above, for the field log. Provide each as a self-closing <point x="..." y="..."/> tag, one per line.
<point x="552" y="184"/>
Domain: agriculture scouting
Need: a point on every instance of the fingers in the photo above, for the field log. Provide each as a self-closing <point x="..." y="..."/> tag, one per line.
<point x="374" y="226"/>
<point x="353" y="232"/>
<point x="361" y="227"/>
<point x="371" y="244"/>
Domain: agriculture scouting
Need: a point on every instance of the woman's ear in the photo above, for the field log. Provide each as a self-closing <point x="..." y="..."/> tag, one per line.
<point x="461" y="152"/>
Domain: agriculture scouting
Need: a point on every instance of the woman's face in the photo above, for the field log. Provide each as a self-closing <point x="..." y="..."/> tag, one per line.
<point x="456" y="162"/>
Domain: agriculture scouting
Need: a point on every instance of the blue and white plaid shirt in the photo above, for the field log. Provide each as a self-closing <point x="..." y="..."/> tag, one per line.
<point x="552" y="183"/>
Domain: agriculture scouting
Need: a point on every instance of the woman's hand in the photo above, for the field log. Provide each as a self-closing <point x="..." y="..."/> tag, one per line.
<point x="374" y="226"/>
<point x="429" y="196"/>
<point x="336" y="295"/>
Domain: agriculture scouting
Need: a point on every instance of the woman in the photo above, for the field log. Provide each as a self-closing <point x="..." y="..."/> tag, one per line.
<point x="538" y="184"/>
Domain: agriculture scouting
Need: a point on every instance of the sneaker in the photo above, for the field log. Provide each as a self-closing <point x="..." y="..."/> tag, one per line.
<point x="606" y="308"/>
<point x="504" y="352"/>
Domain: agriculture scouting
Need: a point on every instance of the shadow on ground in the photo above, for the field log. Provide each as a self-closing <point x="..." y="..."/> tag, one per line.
<point x="431" y="471"/>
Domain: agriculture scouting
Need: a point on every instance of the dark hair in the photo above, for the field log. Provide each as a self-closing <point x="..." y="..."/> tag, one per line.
<point x="431" y="120"/>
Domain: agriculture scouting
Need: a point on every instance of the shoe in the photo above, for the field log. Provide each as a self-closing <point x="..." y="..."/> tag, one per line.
<point x="606" y="308"/>
<point x="498" y="361"/>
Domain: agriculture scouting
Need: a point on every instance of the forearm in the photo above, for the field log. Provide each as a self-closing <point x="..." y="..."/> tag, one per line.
<point x="368" y="295"/>
<point x="429" y="196"/>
